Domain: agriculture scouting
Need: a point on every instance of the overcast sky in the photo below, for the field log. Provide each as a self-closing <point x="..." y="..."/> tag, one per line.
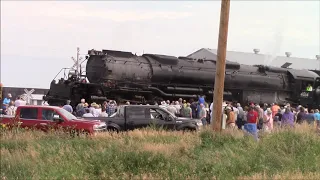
<point x="39" y="38"/>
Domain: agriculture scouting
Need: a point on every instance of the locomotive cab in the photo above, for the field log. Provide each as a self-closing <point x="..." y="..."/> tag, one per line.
<point x="311" y="98"/>
<point x="316" y="90"/>
<point x="299" y="81"/>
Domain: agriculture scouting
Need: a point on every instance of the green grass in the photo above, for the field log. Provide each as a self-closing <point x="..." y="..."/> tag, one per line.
<point x="150" y="154"/>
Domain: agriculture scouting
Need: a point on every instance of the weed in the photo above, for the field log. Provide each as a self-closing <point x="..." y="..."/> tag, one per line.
<point x="159" y="154"/>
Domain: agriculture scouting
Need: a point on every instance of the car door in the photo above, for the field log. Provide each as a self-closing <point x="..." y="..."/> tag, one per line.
<point x="162" y="119"/>
<point x="29" y="117"/>
<point x="46" y="120"/>
<point x="136" y="117"/>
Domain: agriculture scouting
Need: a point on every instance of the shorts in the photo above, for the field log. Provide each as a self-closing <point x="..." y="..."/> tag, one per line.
<point x="252" y="129"/>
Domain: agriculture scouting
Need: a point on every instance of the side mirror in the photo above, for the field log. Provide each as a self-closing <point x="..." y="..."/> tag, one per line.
<point x="169" y="118"/>
<point x="57" y="118"/>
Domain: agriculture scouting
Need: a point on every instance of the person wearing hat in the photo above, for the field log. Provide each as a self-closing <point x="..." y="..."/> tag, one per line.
<point x="92" y="107"/>
<point x="96" y="110"/>
<point x="6" y="102"/>
<point x="184" y="103"/>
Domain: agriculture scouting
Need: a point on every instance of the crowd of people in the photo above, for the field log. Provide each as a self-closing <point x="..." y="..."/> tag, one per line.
<point x="252" y="118"/>
<point x="83" y="109"/>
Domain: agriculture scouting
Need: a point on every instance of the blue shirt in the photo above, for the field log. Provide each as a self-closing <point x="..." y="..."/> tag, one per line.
<point x="310" y="117"/>
<point x="6" y="101"/>
<point x="201" y="100"/>
<point x="68" y="108"/>
<point x="317" y="116"/>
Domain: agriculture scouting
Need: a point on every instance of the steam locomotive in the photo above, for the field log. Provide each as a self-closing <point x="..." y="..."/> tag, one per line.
<point x="124" y="76"/>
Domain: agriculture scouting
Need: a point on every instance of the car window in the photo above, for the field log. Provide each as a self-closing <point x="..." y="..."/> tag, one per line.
<point x="29" y="113"/>
<point x="47" y="114"/>
<point x="157" y="114"/>
<point x="66" y="114"/>
<point x="121" y="112"/>
<point x="152" y="113"/>
<point x="136" y="113"/>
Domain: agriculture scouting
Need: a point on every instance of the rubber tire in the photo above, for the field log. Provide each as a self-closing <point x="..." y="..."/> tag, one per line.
<point x="112" y="130"/>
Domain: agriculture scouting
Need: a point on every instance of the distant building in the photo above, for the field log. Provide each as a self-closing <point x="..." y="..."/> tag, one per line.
<point x="255" y="58"/>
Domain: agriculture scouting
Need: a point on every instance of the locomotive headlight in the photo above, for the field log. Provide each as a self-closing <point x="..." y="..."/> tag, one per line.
<point x="99" y="127"/>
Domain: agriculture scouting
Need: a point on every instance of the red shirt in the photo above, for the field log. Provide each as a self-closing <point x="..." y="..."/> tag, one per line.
<point x="252" y="116"/>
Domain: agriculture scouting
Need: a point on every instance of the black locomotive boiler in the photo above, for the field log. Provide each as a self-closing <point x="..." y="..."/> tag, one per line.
<point x="152" y="77"/>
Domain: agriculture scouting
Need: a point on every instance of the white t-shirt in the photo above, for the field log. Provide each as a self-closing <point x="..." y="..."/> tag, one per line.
<point x="172" y="109"/>
<point x="96" y="112"/>
<point x="211" y="107"/>
<point x="87" y="115"/>
<point x="178" y="107"/>
<point x="19" y="102"/>
<point x="103" y="114"/>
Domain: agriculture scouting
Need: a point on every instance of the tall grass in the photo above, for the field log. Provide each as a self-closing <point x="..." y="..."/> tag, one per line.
<point x="150" y="154"/>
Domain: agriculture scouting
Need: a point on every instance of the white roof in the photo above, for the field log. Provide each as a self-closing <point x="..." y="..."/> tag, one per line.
<point x="258" y="59"/>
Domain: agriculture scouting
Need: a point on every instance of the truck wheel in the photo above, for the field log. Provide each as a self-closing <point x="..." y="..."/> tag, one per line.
<point x="112" y="130"/>
<point x="187" y="129"/>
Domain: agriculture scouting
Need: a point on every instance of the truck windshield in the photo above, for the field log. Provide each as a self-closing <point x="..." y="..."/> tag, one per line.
<point x="67" y="114"/>
<point x="173" y="115"/>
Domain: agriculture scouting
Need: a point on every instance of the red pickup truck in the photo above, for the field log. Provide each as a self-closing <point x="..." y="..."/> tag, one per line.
<point x="48" y="117"/>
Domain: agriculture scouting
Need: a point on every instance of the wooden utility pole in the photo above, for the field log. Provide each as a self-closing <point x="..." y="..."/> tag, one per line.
<point x="221" y="65"/>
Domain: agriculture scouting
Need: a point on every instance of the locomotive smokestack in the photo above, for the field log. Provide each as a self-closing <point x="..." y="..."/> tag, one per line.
<point x="288" y="54"/>
<point x="256" y="51"/>
<point x="318" y="57"/>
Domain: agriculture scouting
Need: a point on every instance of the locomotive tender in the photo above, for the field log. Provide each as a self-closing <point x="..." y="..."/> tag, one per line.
<point x="152" y="77"/>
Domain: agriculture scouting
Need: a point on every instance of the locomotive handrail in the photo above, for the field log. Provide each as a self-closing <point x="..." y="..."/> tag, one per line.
<point x="60" y="72"/>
